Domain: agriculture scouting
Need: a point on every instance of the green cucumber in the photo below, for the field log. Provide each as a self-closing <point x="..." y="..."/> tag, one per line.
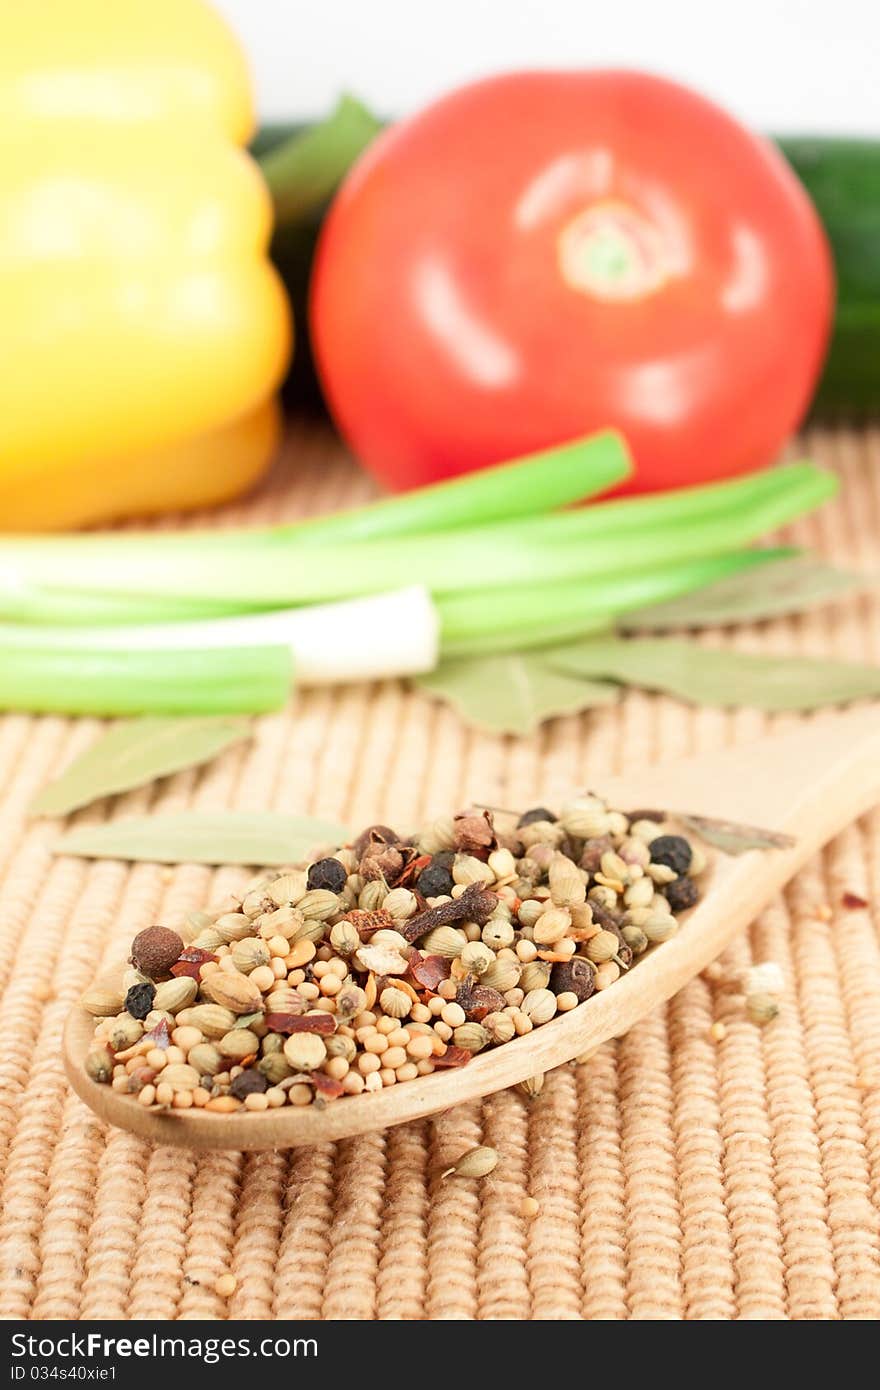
<point x="843" y="179"/>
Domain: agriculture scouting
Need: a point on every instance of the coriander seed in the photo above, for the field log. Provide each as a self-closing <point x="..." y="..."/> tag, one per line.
<point x="539" y="1005"/>
<point x="533" y="1085"/>
<point x="383" y="961"/>
<point x="476" y="1163"/>
<point x="305" y="1051"/>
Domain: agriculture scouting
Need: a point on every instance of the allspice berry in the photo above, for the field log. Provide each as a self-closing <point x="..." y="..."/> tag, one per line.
<point x="474" y="833"/>
<point x="681" y="894"/>
<point x="155" y="950"/>
<point x="381" y="861"/>
<point x="381" y="834"/>
<point x="248" y="1083"/>
<point x="573" y="976"/>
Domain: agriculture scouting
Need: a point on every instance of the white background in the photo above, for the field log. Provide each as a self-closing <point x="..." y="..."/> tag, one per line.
<point x="783" y="65"/>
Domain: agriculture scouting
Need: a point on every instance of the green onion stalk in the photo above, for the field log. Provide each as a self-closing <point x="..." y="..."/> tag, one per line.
<point x="546" y="549"/>
<point x="495" y="561"/>
<point x="87" y="681"/>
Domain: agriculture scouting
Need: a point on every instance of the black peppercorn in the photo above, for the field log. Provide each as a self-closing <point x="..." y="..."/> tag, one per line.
<point x="248" y="1083"/>
<point x="681" y="894"/>
<point x="327" y="873"/>
<point x="537" y="813"/>
<point x="573" y="976"/>
<point x="673" y="851"/>
<point x="435" y="881"/>
<point x="139" y="1000"/>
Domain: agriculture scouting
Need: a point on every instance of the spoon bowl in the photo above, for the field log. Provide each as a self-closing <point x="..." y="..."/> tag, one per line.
<point x="807" y="784"/>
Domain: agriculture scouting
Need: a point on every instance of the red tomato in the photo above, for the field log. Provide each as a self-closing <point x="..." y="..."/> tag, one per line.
<point x="543" y="254"/>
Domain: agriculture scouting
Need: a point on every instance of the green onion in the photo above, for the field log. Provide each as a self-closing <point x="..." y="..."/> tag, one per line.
<point x="368" y="638"/>
<point x="531" y="616"/>
<point x="521" y="492"/>
<point x="23" y="605"/>
<point x="221" y="681"/>
<point x="132" y="578"/>
<point x="303" y="170"/>
<point x="535" y="484"/>
<point x="705" y="502"/>
<point x="541" y="550"/>
<point x="523" y="488"/>
<point x="123" y="623"/>
<point x="770" y="499"/>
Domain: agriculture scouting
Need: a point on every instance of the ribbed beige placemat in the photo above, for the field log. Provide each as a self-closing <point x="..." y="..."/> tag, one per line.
<point x="676" y="1176"/>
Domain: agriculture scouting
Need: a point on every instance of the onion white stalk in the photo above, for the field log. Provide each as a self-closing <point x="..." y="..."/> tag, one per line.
<point x="390" y="634"/>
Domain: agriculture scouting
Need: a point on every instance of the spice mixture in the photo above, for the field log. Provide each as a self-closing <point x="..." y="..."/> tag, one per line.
<point x="391" y="958"/>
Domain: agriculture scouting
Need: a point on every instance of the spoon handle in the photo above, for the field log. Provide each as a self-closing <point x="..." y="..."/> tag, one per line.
<point x="809" y="782"/>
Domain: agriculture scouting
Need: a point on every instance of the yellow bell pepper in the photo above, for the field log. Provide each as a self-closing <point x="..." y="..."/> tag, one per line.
<point x="143" y="330"/>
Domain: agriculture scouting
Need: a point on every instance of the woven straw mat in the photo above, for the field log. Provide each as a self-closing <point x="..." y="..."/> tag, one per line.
<point x="676" y="1176"/>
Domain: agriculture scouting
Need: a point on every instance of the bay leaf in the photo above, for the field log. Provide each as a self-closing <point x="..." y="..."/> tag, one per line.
<point x="787" y="585"/>
<point x="700" y="675"/>
<point x="733" y="838"/>
<point x="514" y="692"/>
<point x="134" y="752"/>
<point x="198" y="837"/>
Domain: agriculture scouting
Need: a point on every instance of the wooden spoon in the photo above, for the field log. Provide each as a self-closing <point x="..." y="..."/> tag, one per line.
<point x="808" y="784"/>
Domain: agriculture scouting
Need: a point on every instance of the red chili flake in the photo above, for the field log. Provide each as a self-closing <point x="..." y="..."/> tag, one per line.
<point x="428" y="971"/>
<point x="326" y="1086"/>
<point x="854" y="901"/>
<point x="160" y="1036"/>
<point x="414" y="869"/>
<point x="300" y="1023"/>
<point x="191" y="961"/>
<point x="366" y="923"/>
<point x="453" y="1057"/>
